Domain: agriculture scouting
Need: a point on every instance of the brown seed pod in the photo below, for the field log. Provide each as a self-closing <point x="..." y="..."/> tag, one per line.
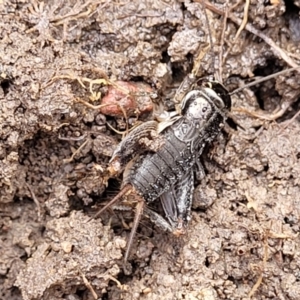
<point x="133" y="98"/>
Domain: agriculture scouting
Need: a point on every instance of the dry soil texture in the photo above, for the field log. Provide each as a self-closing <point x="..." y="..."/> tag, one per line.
<point x="243" y="239"/>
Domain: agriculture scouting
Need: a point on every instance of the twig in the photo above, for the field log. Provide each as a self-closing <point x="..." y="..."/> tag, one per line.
<point x="120" y="286"/>
<point x="35" y="200"/>
<point x="221" y="59"/>
<point x="97" y="107"/>
<point x="261" y="114"/>
<point x="74" y="139"/>
<point x="264" y="79"/>
<point x="88" y="285"/>
<point x="245" y="20"/>
<point x="210" y="37"/>
<point x="260" y="278"/>
<point x="242" y="26"/>
<point x="141" y="16"/>
<point x="276" y="49"/>
<point x="288" y="122"/>
<point x="68" y="160"/>
<point x="95" y="96"/>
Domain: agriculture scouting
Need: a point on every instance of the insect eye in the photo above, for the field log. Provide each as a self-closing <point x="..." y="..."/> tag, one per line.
<point x="204" y="109"/>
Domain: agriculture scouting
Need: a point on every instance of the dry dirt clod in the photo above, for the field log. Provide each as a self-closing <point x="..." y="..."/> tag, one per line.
<point x="55" y="53"/>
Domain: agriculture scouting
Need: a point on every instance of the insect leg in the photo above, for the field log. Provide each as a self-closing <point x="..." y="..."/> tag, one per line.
<point x="200" y="173"/>
<point x="140" y="139"/>
<point x="127" y="189"/>
<point x="138" y="214"/>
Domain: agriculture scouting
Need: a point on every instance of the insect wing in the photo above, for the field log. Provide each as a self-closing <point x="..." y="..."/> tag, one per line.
<point x="177" y="203"/>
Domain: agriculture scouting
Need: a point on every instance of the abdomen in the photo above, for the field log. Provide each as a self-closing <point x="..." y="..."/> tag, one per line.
<point x="152" y="174"/>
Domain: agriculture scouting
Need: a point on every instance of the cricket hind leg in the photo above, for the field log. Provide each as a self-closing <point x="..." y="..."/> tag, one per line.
<point x="126" y="190"/>
<point x="137" y="217"/>
<point x="142" y="138"/>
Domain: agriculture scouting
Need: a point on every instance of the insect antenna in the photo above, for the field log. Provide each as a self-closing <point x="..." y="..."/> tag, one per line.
<point x="259" y="114"/>
<point x="264" y="79"/>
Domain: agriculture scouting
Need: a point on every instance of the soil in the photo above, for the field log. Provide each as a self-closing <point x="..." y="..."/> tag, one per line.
<point x="242" y="242"/>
